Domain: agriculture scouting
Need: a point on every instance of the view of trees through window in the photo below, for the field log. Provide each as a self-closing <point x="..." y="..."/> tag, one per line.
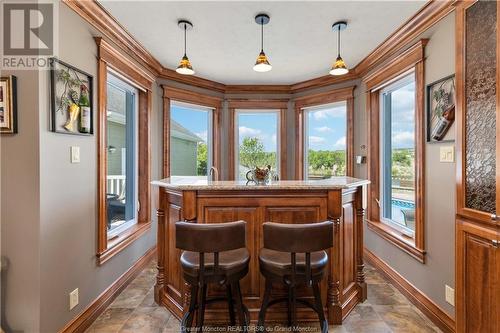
<point x="257" y="141"/>
<point x="325" y="141"/>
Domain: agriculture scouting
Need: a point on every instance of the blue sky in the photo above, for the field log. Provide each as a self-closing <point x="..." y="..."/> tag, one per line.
<point x="194" y="120"/>
<point x="403" y="116"/>
<point x="326" y="127"/>
<point x="261" y="125"/>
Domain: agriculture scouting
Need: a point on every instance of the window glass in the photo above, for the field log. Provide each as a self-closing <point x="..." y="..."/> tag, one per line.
<point x="121" y="136"/>
<point x="190" y="140"/>
<point x="398" y="154"/>
<point x="258" y="140"/>
<point x="325" y="141"/>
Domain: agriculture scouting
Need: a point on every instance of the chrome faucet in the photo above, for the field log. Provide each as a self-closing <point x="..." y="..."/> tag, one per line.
<point x="214" y="173"/>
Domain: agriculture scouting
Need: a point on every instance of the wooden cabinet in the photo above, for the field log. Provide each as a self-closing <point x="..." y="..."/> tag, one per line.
<point x="342" y="289"/>
<point x="478" y="167"/>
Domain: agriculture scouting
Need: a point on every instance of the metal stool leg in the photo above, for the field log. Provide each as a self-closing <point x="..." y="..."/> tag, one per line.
<point x="319" y="308"/>
<point x="263" y="308"/>
<point x="293" y="305"/>
<point x="201" y="307"/>
<point x="239" y="306"/>
<point x="230" y="305"/>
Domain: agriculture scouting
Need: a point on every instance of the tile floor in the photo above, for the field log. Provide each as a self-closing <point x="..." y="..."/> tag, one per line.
<point x="385" y="310"/>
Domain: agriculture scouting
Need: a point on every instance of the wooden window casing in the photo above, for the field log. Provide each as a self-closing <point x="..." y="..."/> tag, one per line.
<point x="282" y="106"/>
<point x="332" y="96"/>
<point x="110" y="58"/>
<point x="411" y="60"/>
<point x="171" y="94"/>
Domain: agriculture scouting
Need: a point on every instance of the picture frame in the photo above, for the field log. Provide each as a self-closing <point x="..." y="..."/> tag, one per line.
<point x="8" y="105"/>
<point x="66" y="86"/>
<point x="440" y="96"/>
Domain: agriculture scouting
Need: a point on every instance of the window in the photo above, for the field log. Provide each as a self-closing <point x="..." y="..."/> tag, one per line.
<point x="324" y="144"/>
<point x="190" y="140"/>
<point x="397" y="160"/>
<point x="191" y="134"/>
<point x="396" y="151"/>
<point x="124" y="154"/>
<point x="325" y="153"/>
<point x="258" y="140"/>
<point x="121" y="136"/>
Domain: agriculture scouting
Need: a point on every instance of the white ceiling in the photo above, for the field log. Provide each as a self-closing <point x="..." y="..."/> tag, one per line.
<point x="225" y="40"/>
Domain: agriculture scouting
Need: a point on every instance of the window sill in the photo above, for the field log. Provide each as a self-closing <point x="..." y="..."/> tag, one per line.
<point x="398" y="239"/>
<point x="122" y="240"/>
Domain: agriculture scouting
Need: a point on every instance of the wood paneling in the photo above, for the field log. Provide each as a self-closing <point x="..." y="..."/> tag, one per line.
<point x="342" y="290"/>
<point x="477" y="274"/>
<point x="83" y="321"/>
<point x="111" y="58"/>
<point x="410" y="61"/>
<point x="332" y="96"/>
<point x="477" y="256"/>
<point x="437" y="315"/>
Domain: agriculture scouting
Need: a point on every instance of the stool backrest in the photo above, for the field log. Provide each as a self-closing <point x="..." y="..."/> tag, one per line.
<point x="298" y="238"/>
<point x="210" y="237"/>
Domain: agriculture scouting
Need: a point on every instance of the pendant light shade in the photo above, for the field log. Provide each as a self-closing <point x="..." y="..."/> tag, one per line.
<point x="185" y="67"/>
<point x="339" y="67"/>
<point x="262" y="64"/>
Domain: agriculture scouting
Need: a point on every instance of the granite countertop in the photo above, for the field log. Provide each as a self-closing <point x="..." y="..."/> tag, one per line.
<point x="201" y="183"/>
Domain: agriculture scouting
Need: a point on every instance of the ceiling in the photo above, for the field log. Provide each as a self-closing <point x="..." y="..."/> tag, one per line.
<point x="225" y="40"/>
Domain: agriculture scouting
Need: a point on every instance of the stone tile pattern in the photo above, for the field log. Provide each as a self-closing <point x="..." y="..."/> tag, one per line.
<point x="386" y="310"/>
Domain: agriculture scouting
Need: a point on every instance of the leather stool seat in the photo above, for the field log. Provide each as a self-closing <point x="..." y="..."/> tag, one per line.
<point x="279" y="263"/>
<point x="230" y="262"/>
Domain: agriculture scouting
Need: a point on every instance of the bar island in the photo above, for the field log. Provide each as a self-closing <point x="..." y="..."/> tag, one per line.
<point x="339" y="199"/>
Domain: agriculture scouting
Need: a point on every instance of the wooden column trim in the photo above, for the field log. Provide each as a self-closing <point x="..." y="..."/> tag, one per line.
<point x="166" y="137"/>
<point x="232" y="147"/>
<point x="336" y="95"/>
<point x="283" y="144"/>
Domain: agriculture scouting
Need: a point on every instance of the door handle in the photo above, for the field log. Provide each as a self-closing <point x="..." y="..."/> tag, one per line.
<point x="495" y="243"/>
<point x="494" y="218"/>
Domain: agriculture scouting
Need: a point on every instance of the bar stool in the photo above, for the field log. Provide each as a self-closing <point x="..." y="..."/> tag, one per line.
<point x="213" y="253"/>
<point x="294" y="255"/>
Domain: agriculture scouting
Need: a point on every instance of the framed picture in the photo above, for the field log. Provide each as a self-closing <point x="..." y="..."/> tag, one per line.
<point x="441" y="110"/>
<point x="8" y="105"/>
<point x="72" y="109"/>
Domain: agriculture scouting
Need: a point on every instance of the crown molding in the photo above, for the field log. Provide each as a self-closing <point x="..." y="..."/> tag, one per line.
<point x="431" y="13"/>
<point x="99" y="18"/>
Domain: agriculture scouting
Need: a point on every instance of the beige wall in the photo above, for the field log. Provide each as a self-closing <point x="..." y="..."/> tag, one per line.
<point x="438" y="270"/>
<point x="52" y="244"/>
<point x="20" y="210"/>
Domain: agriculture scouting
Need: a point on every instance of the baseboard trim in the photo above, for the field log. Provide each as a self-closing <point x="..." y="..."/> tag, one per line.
<point x="90" y="314"/>
<point x="440" y="318"/>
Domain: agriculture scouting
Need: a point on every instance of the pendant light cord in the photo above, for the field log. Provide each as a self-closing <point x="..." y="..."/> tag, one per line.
<point x="262" y="35"/>
<point x="338" y="43"/>
<point x="185" y="37"/>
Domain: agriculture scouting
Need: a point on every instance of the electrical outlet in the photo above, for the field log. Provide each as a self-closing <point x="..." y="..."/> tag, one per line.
<point x="449" y="294"/>
<point x="73" y="299"/>
<point x="447" y="154"/>
<point x="75" y="154"/>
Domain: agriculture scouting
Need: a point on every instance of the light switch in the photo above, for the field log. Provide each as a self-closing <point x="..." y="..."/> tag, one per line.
<point x="75" y="154"/>
<point x="447" y="154"/>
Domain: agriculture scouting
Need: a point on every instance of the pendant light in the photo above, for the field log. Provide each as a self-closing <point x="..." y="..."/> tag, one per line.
<point x="339" y="67"/>
<point x="262" y="64"/>
<point x="185" y="67"/>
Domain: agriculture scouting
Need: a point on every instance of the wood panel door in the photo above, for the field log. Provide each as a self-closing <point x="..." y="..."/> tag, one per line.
<point x="478" y="278"/>
<point x="477" y="110"/>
